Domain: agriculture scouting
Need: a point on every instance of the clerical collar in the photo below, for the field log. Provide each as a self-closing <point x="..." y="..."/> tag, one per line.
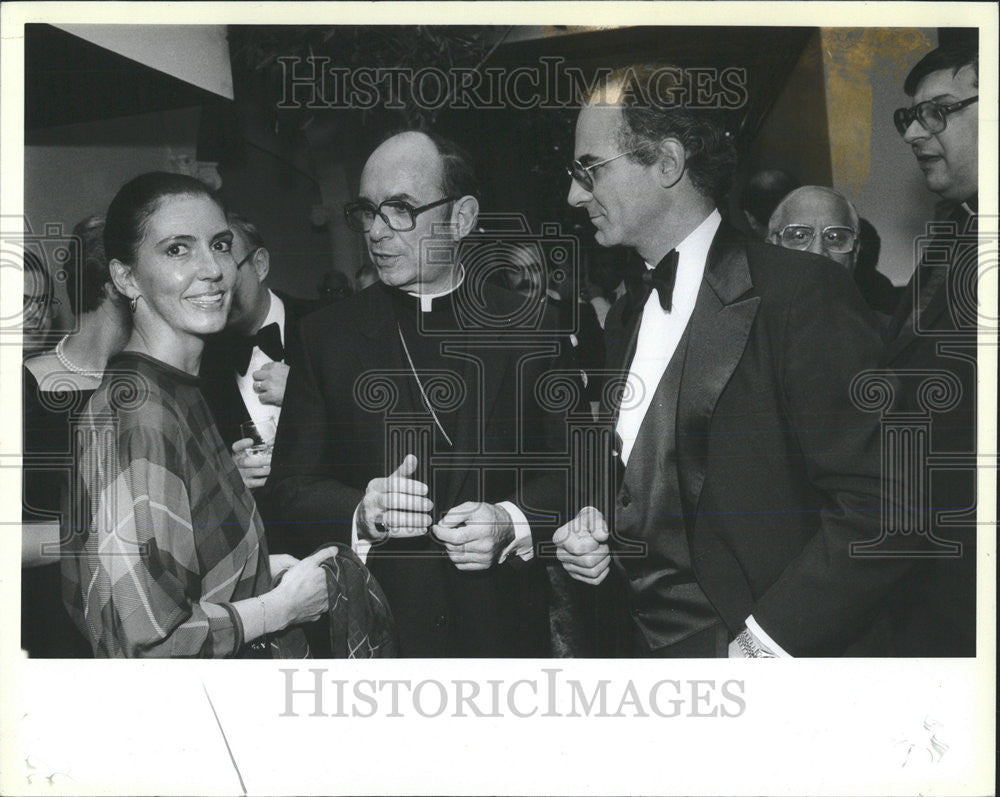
<point x="427" y="299"/>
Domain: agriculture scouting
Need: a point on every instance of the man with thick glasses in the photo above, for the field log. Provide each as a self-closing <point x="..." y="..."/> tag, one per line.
<point x="817" y="219"/>
<point x="245" y="368"/>
<point x="743" y="471"/>
<point x="448" y="542"/>
<point x="934" y="332"/>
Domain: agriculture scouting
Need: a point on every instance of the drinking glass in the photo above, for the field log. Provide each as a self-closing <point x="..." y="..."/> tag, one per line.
<point x="262" y="433"/>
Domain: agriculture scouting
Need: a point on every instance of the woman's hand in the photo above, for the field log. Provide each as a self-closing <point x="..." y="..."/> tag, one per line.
<point x="279" y="563"/>
<point x="302" y="594"/>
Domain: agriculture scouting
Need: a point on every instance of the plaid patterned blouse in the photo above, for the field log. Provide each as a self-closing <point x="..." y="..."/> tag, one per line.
<point x="166" y="535"/>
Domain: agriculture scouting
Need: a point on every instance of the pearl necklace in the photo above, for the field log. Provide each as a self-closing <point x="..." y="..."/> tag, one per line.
<point x="71" y="366"/>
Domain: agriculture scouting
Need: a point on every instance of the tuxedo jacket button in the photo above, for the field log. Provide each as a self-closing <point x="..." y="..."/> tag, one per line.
<point x="440" y="621"/>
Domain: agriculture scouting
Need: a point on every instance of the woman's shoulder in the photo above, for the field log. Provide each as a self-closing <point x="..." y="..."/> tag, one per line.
<point x="139" y="400"/>
<point x="48" y="389"/>
<point x="42" y="365"/>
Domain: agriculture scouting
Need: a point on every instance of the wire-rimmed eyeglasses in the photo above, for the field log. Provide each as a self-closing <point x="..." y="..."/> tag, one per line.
<point x="836" y="239"/>
<point x="582" y="174"/>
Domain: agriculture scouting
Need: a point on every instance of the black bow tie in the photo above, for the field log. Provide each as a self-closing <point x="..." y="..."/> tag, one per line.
<point x="661" y="278"/>
<point x="267" y="339"/>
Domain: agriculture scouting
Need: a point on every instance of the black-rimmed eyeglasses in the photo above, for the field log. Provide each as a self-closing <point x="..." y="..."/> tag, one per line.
<point x="582" y="174"/>
<point x="398" y="215"/>
<point x="933" y="116"/>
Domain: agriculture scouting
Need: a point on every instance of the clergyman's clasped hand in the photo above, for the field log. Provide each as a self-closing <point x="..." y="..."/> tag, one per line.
<point x="475" y="534"/>
<point x="395" y="506"/>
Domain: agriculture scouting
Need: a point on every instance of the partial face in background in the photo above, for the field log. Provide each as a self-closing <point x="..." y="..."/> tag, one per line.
<point x="624" y="202"/>
<point x="38" y="311"/>
<point x="526" y="274"/>
<point x="818" y="220"/>
<point x="407" y="168"/>
<point x="249" y="303"/>
<point x="949" y="158"/>
<point x="184" y="270"/>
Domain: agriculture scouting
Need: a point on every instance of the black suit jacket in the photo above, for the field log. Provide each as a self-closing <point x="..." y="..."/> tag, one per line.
<point x="933" y="338"/>
<point x="778" y="469"/>
<point x="218" y="373"/>
<point x="352" y="384"/>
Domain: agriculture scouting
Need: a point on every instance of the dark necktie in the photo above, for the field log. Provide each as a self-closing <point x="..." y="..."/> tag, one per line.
<point x="661" y="279"/>
<point x="267" y="339"/>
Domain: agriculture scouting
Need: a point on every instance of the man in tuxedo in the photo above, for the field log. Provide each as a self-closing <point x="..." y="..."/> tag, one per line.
<point x="245" y="368"/>
<point x="410" y="372"/>
<point x="584" y="345"/>
<point x="743" y="469"/>
<point x="933" y="336"/>
<point x="818" y="219"/>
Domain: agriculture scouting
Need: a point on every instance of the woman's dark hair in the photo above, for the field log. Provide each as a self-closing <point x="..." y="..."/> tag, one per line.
<point x="88" y="273"/>
<point x="652" y="112"/>
<point x="129" y="213"/>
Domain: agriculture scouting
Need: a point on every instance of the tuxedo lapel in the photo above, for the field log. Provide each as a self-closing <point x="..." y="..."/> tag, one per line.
<point x="621" y="339"/>
<point x="719" y="330"/>
<point x="221" y="392"/>
<point x="291" y="339"/>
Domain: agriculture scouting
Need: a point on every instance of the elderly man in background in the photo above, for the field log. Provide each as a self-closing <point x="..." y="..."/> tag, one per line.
<point x="818" y="219"/>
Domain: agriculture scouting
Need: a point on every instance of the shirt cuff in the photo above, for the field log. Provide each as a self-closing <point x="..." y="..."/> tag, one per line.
<point x="522" y="545"/>
<point x="765" y="640"/>
<point x="359" y="546"/>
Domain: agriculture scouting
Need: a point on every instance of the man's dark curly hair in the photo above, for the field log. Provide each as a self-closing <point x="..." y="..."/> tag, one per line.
<point x="651" y="114"/>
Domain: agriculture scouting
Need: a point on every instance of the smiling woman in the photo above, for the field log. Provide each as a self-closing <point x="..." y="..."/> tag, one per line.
<point x="165" y="552"/>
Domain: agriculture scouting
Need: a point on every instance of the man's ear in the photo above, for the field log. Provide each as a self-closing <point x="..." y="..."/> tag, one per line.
<point x="464" y="215"/>
<point x="673" y="161"/>
<point x="123" y="279"/>
<point x="261" y="263"/>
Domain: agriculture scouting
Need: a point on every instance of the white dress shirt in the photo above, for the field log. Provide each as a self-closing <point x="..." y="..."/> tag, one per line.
<point x="259" y="411"/>
<point x="659" y="333"/>
<point x="660" y="330"/>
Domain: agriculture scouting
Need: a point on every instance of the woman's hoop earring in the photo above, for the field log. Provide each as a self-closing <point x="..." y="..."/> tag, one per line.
<point x="133" y="302"/>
